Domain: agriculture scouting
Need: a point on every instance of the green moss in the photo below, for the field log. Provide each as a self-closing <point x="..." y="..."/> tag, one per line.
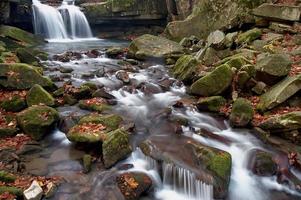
<point x="112" y="122"/>
<point x="8" y="131"/>
<point x="87" y="162"/>
<point x="249" y="36"/>
<point x="220" y="164"/>
<point x="11" y="190"/>
<point x="185" y="68"/>
<point x="37" y="121"/>
<point x="38" y="95"/>
<point x="15" y="104"/>
<point x="6" y="177"/>
<point x="85" y="133"/>
<point x="212" y="104"/>
<point x="93" y="107"/>
<point x="8" y="57"/>
<point x="242" y="112"/>
<point x="116" y="147"/>
<point x="26" y="57"/>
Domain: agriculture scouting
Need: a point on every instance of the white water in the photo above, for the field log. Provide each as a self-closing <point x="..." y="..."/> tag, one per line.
<point x="65" y="23"/>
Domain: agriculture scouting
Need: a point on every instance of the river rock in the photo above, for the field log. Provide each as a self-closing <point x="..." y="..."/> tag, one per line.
<point x="275" y="65"/>
<point x="242" y="113"/>
<point x="95" y="104"/>
<point x="103" y="93"/>
<point x="133" y="184"/>
<point x="278" y="12"/>
<point x="186" y="68"/>
<point x="285" y="122"/>
<point x="150" y="46"/>
<point x="279" y="93"/>
<point x="214" y="83"/>
<point x="34" y="192"/>
<point x="211" y="104"/>
<point x="37" y="95"/>
<point x="22" y="76"/>
<point x="37" y="121"/>
<point x="263" y="164"/>
<point x="114" y="52"/>
<point x="87" y="162"/>
<point x="14" y="104"/>
<point x="115" y="147"/>
<point x="27" y="57"/>
<point x="123" y="76"/>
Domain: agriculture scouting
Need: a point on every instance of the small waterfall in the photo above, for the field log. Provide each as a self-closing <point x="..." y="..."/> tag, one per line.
<point x="184" y="181"/>
<point x="65" y="22"/>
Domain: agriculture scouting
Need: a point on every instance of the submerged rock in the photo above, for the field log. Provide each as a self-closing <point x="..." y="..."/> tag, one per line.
<point x="150" y="46"/>
<point x="279" y="93"/>
<point x="22" y="76"/>
<point x="242" y="113"/>
<point x="115" y="147"/>
<point x="37" y="121"/>
<point x="37" y="95"/>
<point x="214" y="83"/>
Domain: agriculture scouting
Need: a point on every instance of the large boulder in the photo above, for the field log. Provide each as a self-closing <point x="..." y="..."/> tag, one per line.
<point x="214" y="83"/>
<point x="209" y="16"/>
<point x="278" y="12"/>
<point x="263" y="164"/>
<point x="241" y="113"/>
<point x="22" y="76"/>
<point x="38" y="95"/>
<point x="279" y="93"/>
<point x="186" y="68"/>
<point x="37" y="121"/>
<point x="27" y="57"/>
<point x="150" y="46"/>
<point x="115" y="147"/>
<point x="285" y="122"/>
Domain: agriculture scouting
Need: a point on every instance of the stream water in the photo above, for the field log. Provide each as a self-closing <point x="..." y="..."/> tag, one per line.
<point x="146" y="108"/>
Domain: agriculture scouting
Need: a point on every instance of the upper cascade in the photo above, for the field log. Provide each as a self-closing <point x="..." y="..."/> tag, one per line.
<point x="65" y="22"/>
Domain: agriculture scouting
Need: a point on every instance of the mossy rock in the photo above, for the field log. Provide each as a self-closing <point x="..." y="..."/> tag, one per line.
<point x="279" y="93"/>
<point x="116" y="147"/>
<point x="8" y="131"/>
<point x="38" y="95"/>
<point x="87" y="133"/>
<point x="22" y="76"/>
<point x="8" y="57"/>
<point x="2" y="48"/>
<point x="96" y="104"/>
<point x="112" y="122"/>
<point x="15" y="104"/>
<point x="27" y="57"/>
<point x="211" y="104"/>
<point x="37" y="121"/>
<point x="20" y="35"/>
<point x="6" y="177"/>
<point x="83" y="92"/>
<point x="214" y="83"/>
<point x="264" y="164"/>
<point x="242" y="113"/>
<point x="249" y="36"/>
<point x="11" y="190"/>
<point x="87" y="162"/>
<point x="186" y="68"/>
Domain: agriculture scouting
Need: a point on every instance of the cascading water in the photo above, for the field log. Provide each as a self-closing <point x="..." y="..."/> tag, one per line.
<point x="64" y="22"/>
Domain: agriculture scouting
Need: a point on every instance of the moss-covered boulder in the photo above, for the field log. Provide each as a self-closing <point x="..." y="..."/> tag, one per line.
<point x="111" y="122"/>
<point x="22" y="76"/>
<point x="37" y="121"/>
<point x="38" y="95"/>
<point x="186" y="68"/>
<point x="249" y="36"/>
<point x="263" y="164"/>
<point x="116" y="147"/>
<point x="277" y="65"/>
<point x="242" y="113"/>
<point x="95" y="104"/>
<point x="214" y="83"/>
<point x="211" y="104"/>
<point x="279" y="93"/>
<point x="150" y="46"/>
<point x="8" y="57"/>
<point x="13" y="104"/>
<point x="19" y="35"/>
<point x="27" y="57"/>
<point x="8" y="125"/>
<point x="285" y="122"/>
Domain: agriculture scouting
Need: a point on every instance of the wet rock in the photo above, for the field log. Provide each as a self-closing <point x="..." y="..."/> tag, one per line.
<point x="6" y="131"/>
<point x="100" y="72"/>
<point x="263" y="164"/>
<point x="279" y="93"/>
<point x="166" y="83"/>
<point x="113" y="52"/>
<point x="68" y="56"/>
<point x="67" y="122"/>
<point x="212" y="104"/>
<point x="37" y="95"/>
<point x="150" y="46"/>
<point x="22" y="76"/>
<point x="230" y="39"/>
<point x="87" y="162"/>
<point x="66" y="69"/>
<point x="248" y="36"/>
<point x="208" y="86"/>
<point x="115" y="147"/>
<point x="55" y="78"/>
<point x="103" y="94"/>
<point x="123" y="76"/>
<point x="69" y="99"/>
<point x="285" y="122"/>
<point x="149" y="88"/>
<point x="242" y="113"/>
<point x="93" y="53"/>
<point x="37" y="121"/>
<point x="34" y="192"/>
<point x="133" y="184"/>
<point x="186" y="68"/>
<point x="111" y="122"/>
<point x="88" y="75"/>
<point x="278" y="12"/>
<point x="14" y="104"/>
<point x="273" y="65"/>
<point x="95" y="104"/>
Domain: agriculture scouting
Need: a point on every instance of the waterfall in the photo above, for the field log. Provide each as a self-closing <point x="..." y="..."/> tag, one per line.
<point x="64" y="22"/>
